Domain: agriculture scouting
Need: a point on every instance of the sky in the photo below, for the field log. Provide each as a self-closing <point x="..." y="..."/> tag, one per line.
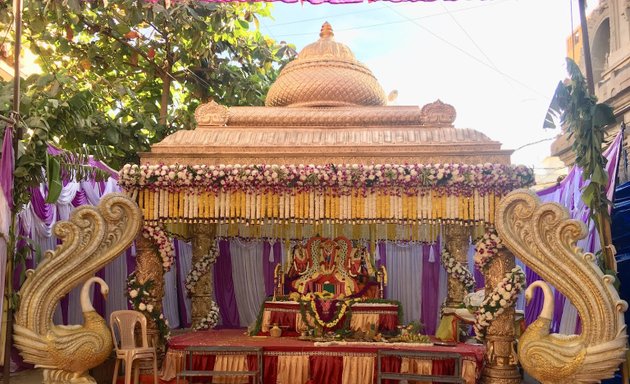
<point x="496" y="61"/>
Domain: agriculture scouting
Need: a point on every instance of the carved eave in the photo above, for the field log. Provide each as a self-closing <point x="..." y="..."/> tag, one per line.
<point x="315" y="145"/>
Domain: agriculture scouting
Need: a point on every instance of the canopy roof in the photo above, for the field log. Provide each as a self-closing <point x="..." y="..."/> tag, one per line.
<point x="325" y="150"/>
<point x="326" y="107"/>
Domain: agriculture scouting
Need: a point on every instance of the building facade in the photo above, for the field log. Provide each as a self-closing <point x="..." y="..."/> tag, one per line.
<point x="609" y="36"/>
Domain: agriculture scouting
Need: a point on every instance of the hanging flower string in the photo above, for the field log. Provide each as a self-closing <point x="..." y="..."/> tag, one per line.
<point x="304" y="193"/>
<point x="487" y="248"/>
<point x="502" y="297"/>
<point x="140" y="297"/>
<point x="200" y="268"/>
<point x="457" y="270"/>
<point x="163" y="244"/>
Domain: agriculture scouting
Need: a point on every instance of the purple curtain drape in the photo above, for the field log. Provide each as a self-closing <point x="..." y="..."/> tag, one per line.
<point x="42" y="209"/>
<point x="535" y="305"/>
<point x="224" y="287"/>
<point x="181" y="303"/>
<point x="430" y="282"/>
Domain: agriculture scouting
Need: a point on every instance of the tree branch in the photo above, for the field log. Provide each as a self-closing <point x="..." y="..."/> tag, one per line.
<point x="107" y="32"/>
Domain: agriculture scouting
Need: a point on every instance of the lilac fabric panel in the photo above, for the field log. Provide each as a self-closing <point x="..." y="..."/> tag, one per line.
<point x="224" y="287"/>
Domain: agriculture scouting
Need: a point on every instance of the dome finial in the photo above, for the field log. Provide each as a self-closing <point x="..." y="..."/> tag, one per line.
<point x="326" y="31"/>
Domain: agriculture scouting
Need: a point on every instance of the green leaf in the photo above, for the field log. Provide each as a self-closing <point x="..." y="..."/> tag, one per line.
<point x="603" y="115"/>
<point x="53" y="173"/>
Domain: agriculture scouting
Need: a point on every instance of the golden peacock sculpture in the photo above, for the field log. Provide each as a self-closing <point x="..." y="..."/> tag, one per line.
<point x="544" y="238"/>
<point x="90" y="239"/>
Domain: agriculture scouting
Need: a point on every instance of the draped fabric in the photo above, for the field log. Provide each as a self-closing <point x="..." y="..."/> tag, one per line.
<point x="404" y="266"/>
<point x="224" y="287"/>
<point x="430" y="280"/>
<point x="568" y="194"/>
<point x="249" y="285"/>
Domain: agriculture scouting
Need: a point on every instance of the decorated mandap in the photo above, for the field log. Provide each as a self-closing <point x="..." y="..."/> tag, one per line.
<point x="330" y="169"/>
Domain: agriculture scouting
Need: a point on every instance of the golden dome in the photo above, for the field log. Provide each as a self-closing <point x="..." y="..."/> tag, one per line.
<point x="325" y="74"/>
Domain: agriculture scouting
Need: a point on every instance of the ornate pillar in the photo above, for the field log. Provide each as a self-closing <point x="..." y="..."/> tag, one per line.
<point x="501" y="361"/>
<point x="203" y="293"/>
<point x="149" y="267"/>
<point x="457" y="242"/>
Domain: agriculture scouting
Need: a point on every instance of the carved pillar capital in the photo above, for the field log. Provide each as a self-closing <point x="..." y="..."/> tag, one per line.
<point x="501" y="361"/>
<point x="203" y="238"/>
<point x="457" y="242"/>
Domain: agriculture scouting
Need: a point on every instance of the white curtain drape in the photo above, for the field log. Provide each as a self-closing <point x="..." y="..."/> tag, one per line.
<point x="404" y="267"/>
<point x="247" y="273"/>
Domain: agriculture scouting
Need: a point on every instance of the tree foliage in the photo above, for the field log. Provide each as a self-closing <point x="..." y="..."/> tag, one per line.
<point x="585" y="121"/>
<point x="142" y="67"/>
<point x="120" y="75"/>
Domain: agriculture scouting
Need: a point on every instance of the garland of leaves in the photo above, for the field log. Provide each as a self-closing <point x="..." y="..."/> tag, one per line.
<point x="457" y="270"/>
<point x="142" y="300"/>
<point x="502" y="297"/>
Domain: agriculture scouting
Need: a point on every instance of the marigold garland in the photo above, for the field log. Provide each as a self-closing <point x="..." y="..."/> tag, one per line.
<point x="305" y="193"/>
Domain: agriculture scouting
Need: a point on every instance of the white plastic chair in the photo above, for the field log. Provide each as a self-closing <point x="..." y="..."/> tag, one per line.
<point x="123" y="325"/>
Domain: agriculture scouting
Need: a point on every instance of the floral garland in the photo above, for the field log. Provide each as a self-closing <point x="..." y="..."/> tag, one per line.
<point x="312" y="300"/>
<point x="140" y="297"/>
<point x="456" y="178"/>
<point x="211" y="319"/>
<point x="457" y="270"/>
<point x="503" y="296"/>
<point x="200" y="268"/>
<point x="487" y="248"/>
<point x="164" y="245"/>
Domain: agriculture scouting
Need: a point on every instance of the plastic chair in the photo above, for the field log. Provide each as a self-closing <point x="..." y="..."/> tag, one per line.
<point x="123" y="325"/>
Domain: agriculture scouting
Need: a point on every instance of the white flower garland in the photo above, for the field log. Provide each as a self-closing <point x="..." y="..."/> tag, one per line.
<point x="503" y="296"/>
<point x="211" y="319"/>
<point x="487" y="248"/>
<point x="140" y="297"/>
<point x="458" y="270"/>
<point x="201" y="268"/>
<point x="166" y="251"/>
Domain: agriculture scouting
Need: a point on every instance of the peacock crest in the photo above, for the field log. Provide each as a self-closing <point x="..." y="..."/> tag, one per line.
<point x="90" y="239"/>
<point x="544" y="238"/>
